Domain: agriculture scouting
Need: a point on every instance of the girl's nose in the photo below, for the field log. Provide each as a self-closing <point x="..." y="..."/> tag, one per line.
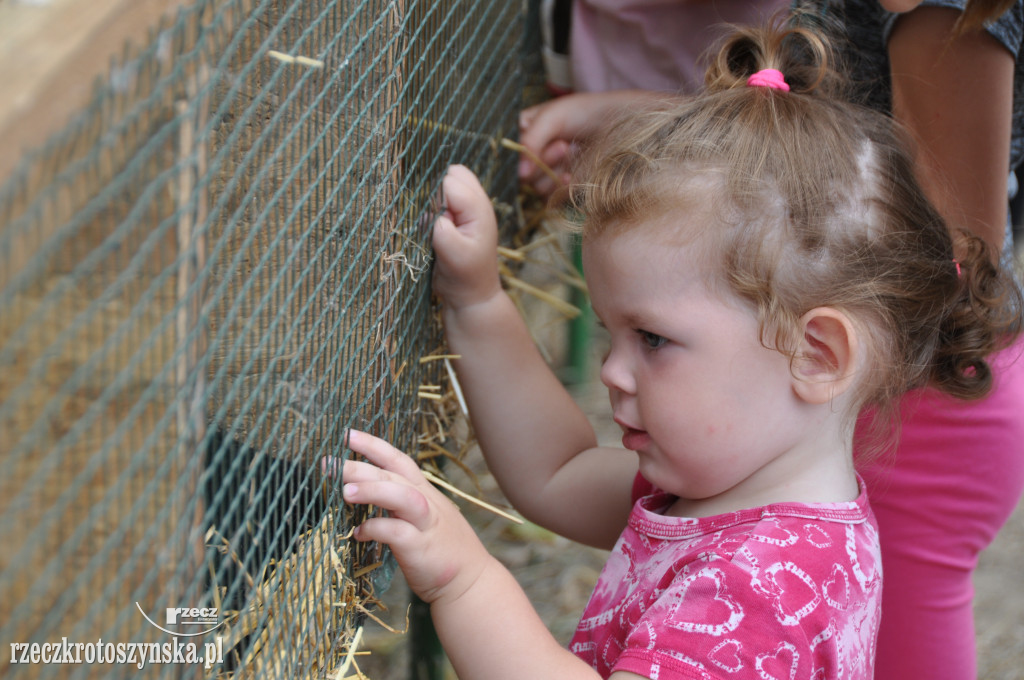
<point x="616" y="375"/>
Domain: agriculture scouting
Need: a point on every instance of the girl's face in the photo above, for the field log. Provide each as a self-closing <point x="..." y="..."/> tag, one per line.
<point x="705" y="405"/>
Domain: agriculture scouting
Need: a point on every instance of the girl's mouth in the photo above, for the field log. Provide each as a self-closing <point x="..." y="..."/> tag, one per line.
<point x="634" y="440"/>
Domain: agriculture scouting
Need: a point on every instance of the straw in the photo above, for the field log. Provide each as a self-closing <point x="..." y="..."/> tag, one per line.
<point x="568" y="310"/>
<point x="300" y="60"/>
<point x="456" y="387"/>
<point x="434" y="479"/>
<point x="526" y="151"/>
<point x="349" y="658"/>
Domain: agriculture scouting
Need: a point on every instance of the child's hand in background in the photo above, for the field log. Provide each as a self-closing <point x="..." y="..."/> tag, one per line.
<point x="436" y="548"/>
<point x="465" y="242"/>
<point x="550" y="130"/>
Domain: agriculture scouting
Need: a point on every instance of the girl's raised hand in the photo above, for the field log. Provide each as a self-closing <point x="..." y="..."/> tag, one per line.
<point x="436" y="548"/>
<point x="465" y="242"/>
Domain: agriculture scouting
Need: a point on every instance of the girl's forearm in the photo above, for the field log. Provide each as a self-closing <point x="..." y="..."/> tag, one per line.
<point x="492" y="632"/>
<point x="537" y="442"/>
<point x="527" y="424"/>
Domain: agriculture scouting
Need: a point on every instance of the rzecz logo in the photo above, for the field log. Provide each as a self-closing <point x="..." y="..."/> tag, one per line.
<point x="205" y="617"/>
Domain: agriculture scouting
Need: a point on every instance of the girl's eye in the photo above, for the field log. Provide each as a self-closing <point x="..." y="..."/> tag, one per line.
<point x="651" y="340"/>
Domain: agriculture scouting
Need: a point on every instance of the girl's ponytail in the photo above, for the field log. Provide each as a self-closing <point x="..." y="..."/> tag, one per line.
<point x="984" y="317"/>
<point x="809" y="64"/>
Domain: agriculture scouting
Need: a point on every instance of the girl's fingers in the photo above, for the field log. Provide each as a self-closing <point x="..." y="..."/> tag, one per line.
<point x="385" y="530"/>
<point x="543" y="125"/>
<point x="465" y="177"/>
<point x="526" y="116"/>
<point x="358" y="471"/>
<point x="403" y="501"/>
<point x="384" y="455"/>
<point x="351" y="470"/>
<point x="331" y="466"/>
<point x="557" y="154"/>
<point x="464" y="196"/>
<point x="445" y="237"/>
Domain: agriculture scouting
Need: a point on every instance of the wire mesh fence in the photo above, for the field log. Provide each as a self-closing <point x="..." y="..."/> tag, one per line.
<point x="214" y="270"/>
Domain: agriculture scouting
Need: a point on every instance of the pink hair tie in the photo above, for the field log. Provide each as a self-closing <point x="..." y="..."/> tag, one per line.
<point x="768" y="77"/>
<point x="958" y="272"/>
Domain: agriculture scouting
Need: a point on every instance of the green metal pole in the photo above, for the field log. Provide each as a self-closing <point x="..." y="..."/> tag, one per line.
<point x="580" y="327"/>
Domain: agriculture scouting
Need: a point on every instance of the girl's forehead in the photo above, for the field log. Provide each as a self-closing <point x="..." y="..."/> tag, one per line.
<point x="649" y="250"/>
<point x="675" y="208"/>
<point x="642" y="283"/>
<point x="681" y="233"/>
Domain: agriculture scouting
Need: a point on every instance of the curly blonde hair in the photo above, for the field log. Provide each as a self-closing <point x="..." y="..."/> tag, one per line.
<point x="816" y="205"/>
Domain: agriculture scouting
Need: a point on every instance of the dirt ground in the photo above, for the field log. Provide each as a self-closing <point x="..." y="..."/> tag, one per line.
<point x="558" y="576"/>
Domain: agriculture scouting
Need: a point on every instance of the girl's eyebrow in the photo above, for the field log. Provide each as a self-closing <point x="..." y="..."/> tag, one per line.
<point x="632" y="320"/>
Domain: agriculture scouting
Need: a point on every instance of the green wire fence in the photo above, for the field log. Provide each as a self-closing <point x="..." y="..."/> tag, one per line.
<point x="214" y="270"/>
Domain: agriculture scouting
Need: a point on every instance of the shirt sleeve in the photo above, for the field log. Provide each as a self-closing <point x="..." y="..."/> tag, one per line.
<point x="1007" y="28"/>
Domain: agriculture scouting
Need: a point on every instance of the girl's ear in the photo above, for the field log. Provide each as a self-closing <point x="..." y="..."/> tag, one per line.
<point x="827" y="357"/>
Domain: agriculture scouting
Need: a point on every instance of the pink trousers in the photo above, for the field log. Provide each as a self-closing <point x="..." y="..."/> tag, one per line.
<point x="956" y="477"/>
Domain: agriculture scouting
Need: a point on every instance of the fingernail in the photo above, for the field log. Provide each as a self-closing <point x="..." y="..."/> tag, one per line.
<point x="352" y="434"/>
<point x="349" y="490"/>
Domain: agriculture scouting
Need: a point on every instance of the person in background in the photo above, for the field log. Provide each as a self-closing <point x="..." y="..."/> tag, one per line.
<point x="652" y="44"/>
<point x="950" y="71"/>
<point x="643" y="46"/>
<point x="765" y="264"/>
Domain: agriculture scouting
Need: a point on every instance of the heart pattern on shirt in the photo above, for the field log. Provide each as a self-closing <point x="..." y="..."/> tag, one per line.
<point x="612" y="651"/>
<point x="862" y="562"/>
<point x="774" y="534"/>
<point x="816" y="536"/>
<point x="791" y="591"/>
<point x="837" y="588"/>
<point x="727" y="656"/>
<point x="782" y="664"/>
<point x="693" y="611"/>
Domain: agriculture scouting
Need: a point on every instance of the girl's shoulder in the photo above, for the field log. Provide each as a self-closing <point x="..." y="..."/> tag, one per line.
<point x="777" y="524"/>
<point x="814" y="543"/>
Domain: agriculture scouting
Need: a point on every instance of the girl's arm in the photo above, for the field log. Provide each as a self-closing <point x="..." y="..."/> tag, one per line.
<point x="955" y="94"/>
<point x="487" y="625"/>
<point x="537" y="442"/>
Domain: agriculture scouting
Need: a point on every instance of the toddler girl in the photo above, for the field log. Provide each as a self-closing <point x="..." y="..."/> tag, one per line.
<point x="765" y="266"/>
